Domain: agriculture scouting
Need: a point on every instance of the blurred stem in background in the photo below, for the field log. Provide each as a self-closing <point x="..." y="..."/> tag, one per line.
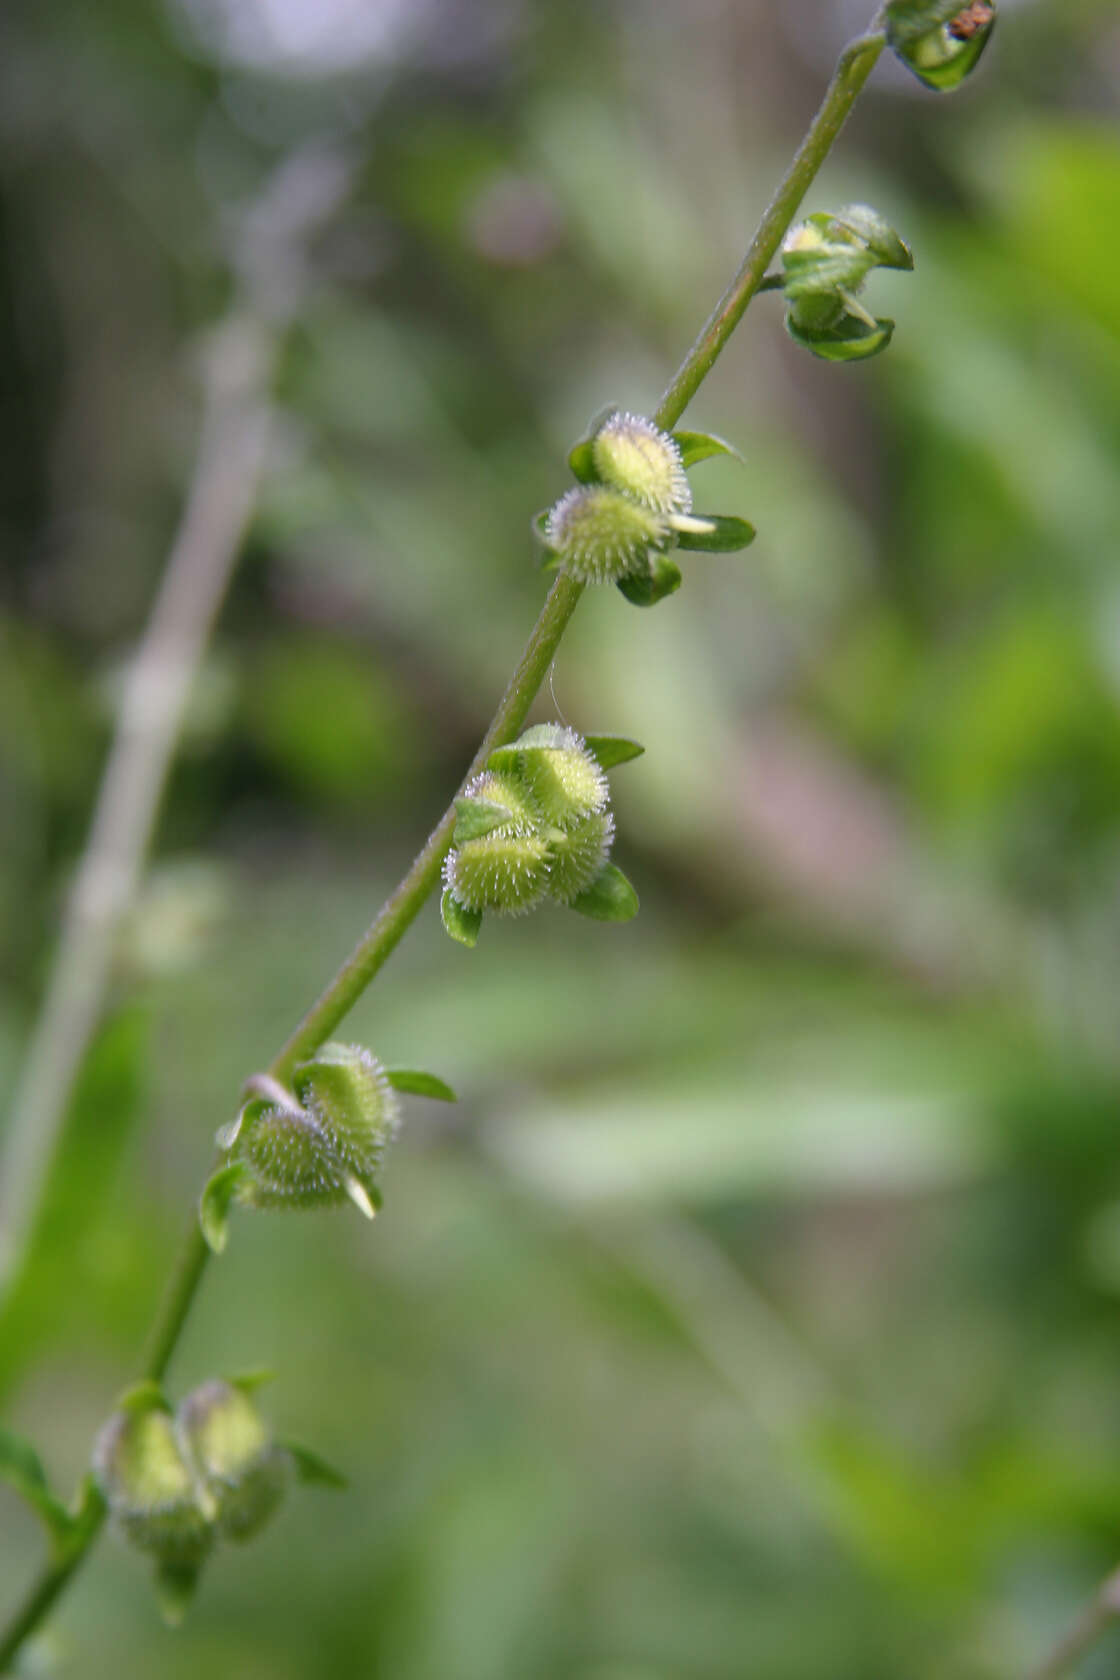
<point x="203" y="555"/>
<point x="1100" y="1614"/>
<point x="854" y="67"/>
<point x="237" y="372"/>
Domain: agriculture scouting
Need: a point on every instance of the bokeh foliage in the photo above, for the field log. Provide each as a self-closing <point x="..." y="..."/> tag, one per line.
<point x="757" y="1309"/>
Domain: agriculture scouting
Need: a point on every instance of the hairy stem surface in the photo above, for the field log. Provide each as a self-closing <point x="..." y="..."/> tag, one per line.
<point x="404" y="905"/>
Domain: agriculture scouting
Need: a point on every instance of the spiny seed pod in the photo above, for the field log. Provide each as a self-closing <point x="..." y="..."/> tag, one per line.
<point x="632" y="455"/>
<point x="496" y="801"/>
<point x="565" y="781"/>
<point x="227" y="1441"/>
<point x="940" y="41"/>
<point x="348" y="1091"/>
<point x="505" y="873"/>
<point x="151" y="1490"/>
<point x="600" y="535"/>
<point x="289" y="1159"/>
<point x="578" y="856"/>
<point x="326" y="1146"/>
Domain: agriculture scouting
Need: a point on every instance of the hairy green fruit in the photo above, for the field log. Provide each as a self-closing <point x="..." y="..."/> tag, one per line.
<point x="564" y="780"/>
<point x="600" y="535"/>
<point x="151" y="1489"/>
<point x="578" y="856"/>
<point x="631" y="454"/>
<point x="503" y="873"/>
<point x="231" y="1448"/>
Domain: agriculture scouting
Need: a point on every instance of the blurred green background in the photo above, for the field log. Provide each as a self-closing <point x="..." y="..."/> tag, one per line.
<point x="757" y="1311"/>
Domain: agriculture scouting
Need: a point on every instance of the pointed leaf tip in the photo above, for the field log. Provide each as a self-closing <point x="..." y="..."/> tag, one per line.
<point x="698" y="446"/>
<point x="215" y="1203"/>
<point x="417" y="1084"/>
<point x="310" y="1467"/>
<point x="462" y="924"/>
<point x="609" y="898"/>
<point x="724" y="534"/>
<point x="609" y="750"/>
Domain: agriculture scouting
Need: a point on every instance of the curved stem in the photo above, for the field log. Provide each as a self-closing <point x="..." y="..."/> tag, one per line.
<point x="404" y="905"/>
<point x="855" y="65"/>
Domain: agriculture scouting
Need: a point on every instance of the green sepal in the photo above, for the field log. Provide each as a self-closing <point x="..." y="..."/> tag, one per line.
<point x="147" y="1395"/>
<point x="310" y="1467"/>
<point x="22" y="1469"/>
<point x="888" y="248"/>
<point x="698" y="446"/>
<point x="248" y="1382"/>
<point x="849" y="340"/>
<point x="581" y="460"/>
<point x="727" y="535"/>
<point x="550" y="558"/>
<point x="923" y="34"/>
<point x="462" y="924"/>
<point x="644" y="589"/>
<point x="609" y="898"/>
<point x="215" y="1202"/>
<point x="581" y="456"/>
<point x="610" y="750"/>
<point x="476" y="817"/>
<point x="419" y="1084"/>
<point x="175" y="1590"/>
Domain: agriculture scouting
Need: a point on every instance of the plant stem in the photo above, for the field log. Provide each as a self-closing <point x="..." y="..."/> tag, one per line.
<point x="855" y="65"/>
<point x="1102" y="1611"/>
<point x="404" y="905"/>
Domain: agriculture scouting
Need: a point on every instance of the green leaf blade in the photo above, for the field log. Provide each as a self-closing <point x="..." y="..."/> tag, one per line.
<point x="727" y="535"/>
<point x="417" y="1084"/>
<point x="609" y="898"/>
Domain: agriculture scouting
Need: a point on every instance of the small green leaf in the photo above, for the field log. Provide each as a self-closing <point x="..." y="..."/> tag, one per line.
<point x="581" y="456"/>
<point x="462" y="924"/>
<point x="175" y="1590"/>
<point x="725" y="536"/>
<point x="144" y="1396"/>
<point x="248" y="1382"/>
<point x="476" y="817"/>
<point x="884" y="244"/>
<point x="420" y="1084"/>
<point x="581" y="460"/>
<point x="850" y="340"/>
<point x="698" y="446"/>
<point x="215" y="1202"/>
<point x="610" y="750"/>
<point x="310" y="1467"/>
<point x="940" y="41"/>
<point x="645" y="589"/>
<point x="609" y="898"/>
<point x="21" y="1468"/>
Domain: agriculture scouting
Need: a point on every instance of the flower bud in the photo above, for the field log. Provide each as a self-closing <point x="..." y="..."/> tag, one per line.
<point x="151" y="1490"/>
<point x="600" y="534"/>
<point x="578" y="856"/>
<point x="940" y="41"/>
<point x="630" y="454"/>
<point x="227" y="1441"/>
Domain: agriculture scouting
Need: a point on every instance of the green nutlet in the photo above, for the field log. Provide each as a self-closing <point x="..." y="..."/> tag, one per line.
<point x="227" y="1441"/>
<point x="152" y="1490"/>
<point x="631" y="454"/>
<point x="600" y="535"/>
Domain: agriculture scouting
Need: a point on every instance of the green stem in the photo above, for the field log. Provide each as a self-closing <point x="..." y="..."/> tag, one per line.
<point x="49" y="1586"/>
<point x="855" y="65"/>
<point x="404" y="905"/>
